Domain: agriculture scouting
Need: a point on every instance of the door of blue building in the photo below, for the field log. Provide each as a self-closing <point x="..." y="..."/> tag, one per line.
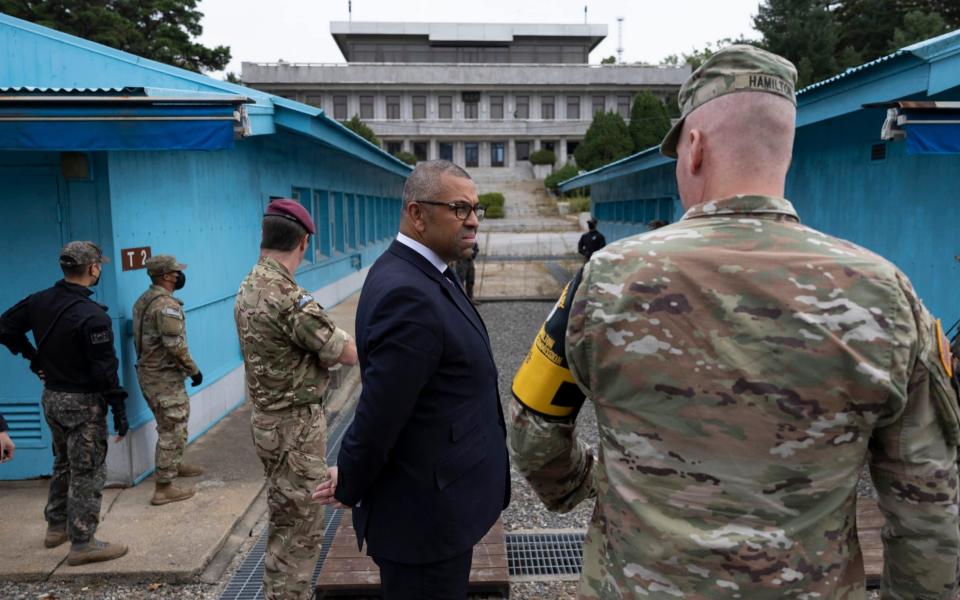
<point x="30" y="238"/>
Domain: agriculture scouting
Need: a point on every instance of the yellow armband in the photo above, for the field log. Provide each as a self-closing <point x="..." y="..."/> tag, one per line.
<point x="543" y="382"/>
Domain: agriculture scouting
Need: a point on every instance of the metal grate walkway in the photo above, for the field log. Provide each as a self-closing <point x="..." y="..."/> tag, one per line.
<point x="545" y="554"/>
<point x="247" y="582"/>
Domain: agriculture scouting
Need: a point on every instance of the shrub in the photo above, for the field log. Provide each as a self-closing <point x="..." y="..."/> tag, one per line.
<point x="606" y="140"/>
<point x="491" y="199"/>
<point x="406" y="157"/>
<point x="560" y="175"/>
<point x="543" y="157"/>
<point x="494" y="212"/>
<point x="579" y="205"/>
<point x="362" y="129"/>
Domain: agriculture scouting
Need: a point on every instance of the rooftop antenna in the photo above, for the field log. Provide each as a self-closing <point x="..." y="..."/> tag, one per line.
<point x="584" y="14"/>
<point x="350" y="10"/>
<point x="620" y="40"/>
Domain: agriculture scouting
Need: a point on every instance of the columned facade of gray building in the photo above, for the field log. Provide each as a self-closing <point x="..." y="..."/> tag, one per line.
<point x="476" y="114"/>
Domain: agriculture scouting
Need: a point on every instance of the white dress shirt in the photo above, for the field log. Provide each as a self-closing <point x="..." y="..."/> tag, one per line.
<point x="423" y="251"/>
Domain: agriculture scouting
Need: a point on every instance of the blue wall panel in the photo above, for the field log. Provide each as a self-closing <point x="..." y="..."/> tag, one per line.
<point x="624" y="205"/>
<point x="206" y="207"/>
<point x="902" y="207"/>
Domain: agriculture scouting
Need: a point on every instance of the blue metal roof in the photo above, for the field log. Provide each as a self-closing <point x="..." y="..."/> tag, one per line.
<point x="640" y="161"/>
<point x="38" y="57"/>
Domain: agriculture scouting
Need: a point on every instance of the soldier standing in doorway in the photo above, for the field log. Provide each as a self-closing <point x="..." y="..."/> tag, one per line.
<point x="288" y="344"/>
<point x="75" y="358"/>
<point x="163" y="361"/>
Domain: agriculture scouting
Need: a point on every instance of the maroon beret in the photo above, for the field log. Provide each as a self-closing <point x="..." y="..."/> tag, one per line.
<point x="292" y="210"/>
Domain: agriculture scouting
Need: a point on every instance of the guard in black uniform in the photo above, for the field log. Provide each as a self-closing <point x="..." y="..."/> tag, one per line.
<point x="591" y="241"/>
<point x="74" y="357"/>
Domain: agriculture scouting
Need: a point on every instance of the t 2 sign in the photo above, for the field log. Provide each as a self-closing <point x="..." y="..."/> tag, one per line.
<point x="134" y="258"/>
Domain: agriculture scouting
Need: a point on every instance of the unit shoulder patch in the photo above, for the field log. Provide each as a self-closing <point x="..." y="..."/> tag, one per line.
<point x="100" y="336"/>
<point x="305" y="299"/>
<point x="171" y="311"/>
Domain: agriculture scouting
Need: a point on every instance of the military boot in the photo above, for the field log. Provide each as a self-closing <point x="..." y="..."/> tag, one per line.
<point x="165" y="493"/>
<point x="56" y="535"/>
<point x="188" y="470"/>
<point x="94" y="551"/>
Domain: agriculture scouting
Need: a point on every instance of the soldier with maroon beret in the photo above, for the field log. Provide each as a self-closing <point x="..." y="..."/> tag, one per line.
<point x="289" y="345"/>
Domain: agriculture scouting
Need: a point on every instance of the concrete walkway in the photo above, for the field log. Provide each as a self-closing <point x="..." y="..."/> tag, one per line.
<point x="532" y="252"/>
<point x="174" y="542"/>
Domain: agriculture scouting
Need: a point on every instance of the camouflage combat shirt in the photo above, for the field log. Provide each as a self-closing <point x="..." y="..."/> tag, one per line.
<point x="287" y="340"/>
<point x="741" y="366"/>
<point x="160" y="334"/>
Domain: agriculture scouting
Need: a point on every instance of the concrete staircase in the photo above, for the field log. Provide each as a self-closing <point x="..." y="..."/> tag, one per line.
<point x="491" y="176"/>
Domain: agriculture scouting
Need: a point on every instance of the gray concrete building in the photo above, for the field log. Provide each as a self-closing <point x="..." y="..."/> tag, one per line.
<point x="482" y="95"/>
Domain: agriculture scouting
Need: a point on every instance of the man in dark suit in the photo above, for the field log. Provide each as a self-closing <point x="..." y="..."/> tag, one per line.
<point x="424" y="463"/>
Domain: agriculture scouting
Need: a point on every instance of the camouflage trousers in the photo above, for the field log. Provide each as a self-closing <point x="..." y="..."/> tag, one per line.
<point x="292" y="446"/>
<point x="78" y="425"/>
<point x="167" y="398"/>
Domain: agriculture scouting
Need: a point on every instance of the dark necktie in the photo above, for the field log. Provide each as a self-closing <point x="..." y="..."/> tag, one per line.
<point x="452" y="276"/>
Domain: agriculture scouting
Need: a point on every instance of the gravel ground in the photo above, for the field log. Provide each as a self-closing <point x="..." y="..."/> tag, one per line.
<point x="512" y="327"/>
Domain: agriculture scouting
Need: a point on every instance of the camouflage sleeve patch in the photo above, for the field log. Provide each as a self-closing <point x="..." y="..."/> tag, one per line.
<point x="558" y="466"/>
<point x="170" y="321"/>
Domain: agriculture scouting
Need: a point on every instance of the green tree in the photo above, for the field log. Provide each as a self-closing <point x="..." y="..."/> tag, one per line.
<point x="610" y="60"/>
<point x="362" y="129"/>
<point x="607" y="140"/>
<point x="648" y="121"/>
<point x="917" y="26"/>
<point x="804" y="32"/>
<point x="162" y="30"/>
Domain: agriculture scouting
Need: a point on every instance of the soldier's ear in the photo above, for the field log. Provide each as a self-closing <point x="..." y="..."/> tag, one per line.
<point x="305" y="243"/>
<point x="695" y="151"/>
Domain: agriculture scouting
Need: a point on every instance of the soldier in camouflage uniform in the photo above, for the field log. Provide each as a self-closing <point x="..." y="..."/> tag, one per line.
<point x="75" y="358"/>
<point x="743" y="368"/>
<point x="163" y="361"/>
<point x="288" y="344"/>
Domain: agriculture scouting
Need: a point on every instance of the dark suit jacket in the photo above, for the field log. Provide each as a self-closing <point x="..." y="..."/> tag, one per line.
<point x="424" y="462"/>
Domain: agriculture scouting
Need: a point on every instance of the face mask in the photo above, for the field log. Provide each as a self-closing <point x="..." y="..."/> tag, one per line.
<point x="181" y="281"/>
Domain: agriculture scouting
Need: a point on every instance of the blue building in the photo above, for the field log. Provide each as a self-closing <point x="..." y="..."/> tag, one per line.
<point x="892" y="192"/>
<point x="143" y="158"/>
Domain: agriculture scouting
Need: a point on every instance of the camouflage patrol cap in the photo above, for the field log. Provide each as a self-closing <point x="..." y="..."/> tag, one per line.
<point x="737" y="68"/>
<point x="163" y="263"/>
<point x="79" y="253"/>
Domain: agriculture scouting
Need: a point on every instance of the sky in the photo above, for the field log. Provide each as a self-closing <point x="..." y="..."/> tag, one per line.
<point x="299" y="30"/>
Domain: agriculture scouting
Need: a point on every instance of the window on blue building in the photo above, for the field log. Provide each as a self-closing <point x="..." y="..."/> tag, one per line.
<point x="352" y="220"/>
<point x="339" y="222"/>
<point x="650" y="211"/>
<point x="321" y="202"/>
<point x="666" y="209"/>
<point x="305" y="198"/>
<point x="362" y="226"/>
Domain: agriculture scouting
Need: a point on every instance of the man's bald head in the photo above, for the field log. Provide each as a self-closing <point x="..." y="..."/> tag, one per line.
<point x="736" y="144"/>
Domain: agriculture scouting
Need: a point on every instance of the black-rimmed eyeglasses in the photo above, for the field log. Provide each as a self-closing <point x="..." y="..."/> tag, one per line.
<point x="461" y="210"/>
